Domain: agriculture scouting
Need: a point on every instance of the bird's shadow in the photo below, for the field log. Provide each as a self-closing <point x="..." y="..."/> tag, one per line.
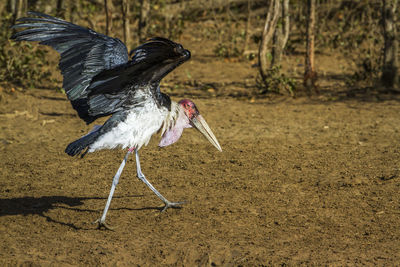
<point x="41" y="205"/>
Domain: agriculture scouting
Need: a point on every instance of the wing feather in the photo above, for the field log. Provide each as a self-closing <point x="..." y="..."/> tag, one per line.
<point x="151" y="62"/>
<point x="84" y="52"/>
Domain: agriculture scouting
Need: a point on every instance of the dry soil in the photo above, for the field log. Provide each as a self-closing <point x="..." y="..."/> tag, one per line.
<point x="299" y="181"/>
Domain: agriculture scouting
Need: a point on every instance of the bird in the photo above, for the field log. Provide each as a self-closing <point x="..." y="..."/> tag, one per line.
<point x="101" y="78"/>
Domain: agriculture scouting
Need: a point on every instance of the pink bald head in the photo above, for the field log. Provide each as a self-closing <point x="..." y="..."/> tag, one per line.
<point x="188" y="116"/>
<point x="189" y="108"/>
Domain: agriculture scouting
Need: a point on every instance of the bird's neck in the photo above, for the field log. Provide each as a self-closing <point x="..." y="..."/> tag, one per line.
<point x="170" y="120"/>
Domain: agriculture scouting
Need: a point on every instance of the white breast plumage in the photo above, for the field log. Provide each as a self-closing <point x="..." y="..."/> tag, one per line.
<point x="136" y="130"/>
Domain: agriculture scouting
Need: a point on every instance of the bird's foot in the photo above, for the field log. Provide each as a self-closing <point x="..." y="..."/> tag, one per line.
<point x="175" y="205"/>
<point x="102" y="224"/>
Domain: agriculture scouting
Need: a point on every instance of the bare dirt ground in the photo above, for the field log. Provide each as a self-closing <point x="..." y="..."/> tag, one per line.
<point x="299" y="181"/>
<point x="311" y="181"/>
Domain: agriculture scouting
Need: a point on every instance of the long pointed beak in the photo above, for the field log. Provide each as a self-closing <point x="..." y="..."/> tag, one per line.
<point x="200" y="124"/>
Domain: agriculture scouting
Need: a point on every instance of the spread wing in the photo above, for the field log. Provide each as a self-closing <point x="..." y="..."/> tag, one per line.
<point x="99" y="79"/>
<point x="84" y="52"/>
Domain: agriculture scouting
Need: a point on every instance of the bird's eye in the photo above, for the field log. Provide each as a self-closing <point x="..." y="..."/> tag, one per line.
<point x="179" y="48"/>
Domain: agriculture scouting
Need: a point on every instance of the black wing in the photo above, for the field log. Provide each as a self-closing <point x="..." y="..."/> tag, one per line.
<point x="99" y="79"/>
<point x="84" y="52"/>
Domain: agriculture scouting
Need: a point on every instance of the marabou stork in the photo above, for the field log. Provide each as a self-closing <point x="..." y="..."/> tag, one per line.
<point x="100" y="80"/>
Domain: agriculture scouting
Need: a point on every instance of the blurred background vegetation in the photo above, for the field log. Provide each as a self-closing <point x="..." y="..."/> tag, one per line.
<point x="227" y="31"/>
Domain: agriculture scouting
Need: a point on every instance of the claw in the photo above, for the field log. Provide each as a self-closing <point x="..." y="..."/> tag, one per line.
<point x="175" y="205"/>
<point x="101" y="224"/>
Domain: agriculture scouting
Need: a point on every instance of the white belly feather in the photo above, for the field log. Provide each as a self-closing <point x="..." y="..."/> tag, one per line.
<point x="135" y="131"/>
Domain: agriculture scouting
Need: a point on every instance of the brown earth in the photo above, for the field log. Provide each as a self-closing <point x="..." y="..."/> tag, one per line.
<point x="299" y="181"/>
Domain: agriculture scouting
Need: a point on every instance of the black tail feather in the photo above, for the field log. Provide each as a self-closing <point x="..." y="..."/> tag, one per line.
<point x="76" y="147"/>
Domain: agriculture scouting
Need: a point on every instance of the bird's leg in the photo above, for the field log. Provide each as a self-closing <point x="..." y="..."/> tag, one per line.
<point x="102" y="221"/>
<point x="141" y="176"/>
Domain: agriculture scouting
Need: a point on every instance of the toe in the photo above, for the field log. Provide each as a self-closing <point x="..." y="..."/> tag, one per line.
<point x="104" y="225"/>
<point x="175" y="205"/>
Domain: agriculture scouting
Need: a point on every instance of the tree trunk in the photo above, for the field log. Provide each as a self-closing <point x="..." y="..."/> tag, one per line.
<point x="247" y="30"/>
<point x="17" y="8"/>
<point x="60" y="10"/>
<point x="281" y="35"/>
<point x="310" y="76"/>
<point x="3" y="5"/>
<point x="108" y="7"/>
<point x="390" y="75"/>
<point x="143" y="18"/>
<point x="125" y="19"/>
<point x="22" y="6"/>
<point x="12" y="6"/>
<point x="269" y="29"/>
<point x="286" y="22"/>
<point x="73" y="8"/>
